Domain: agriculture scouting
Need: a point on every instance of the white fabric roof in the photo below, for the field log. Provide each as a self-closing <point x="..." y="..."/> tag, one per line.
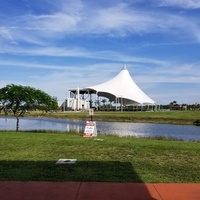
<point x="124" y="88"/>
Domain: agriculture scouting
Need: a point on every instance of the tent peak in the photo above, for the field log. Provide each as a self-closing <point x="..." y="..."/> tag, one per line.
<point x="124" y="68"/>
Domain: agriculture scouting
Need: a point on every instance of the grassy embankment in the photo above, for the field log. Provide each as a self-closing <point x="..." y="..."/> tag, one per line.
<point x="32" y="156"/>
<point x="168" y="117"/>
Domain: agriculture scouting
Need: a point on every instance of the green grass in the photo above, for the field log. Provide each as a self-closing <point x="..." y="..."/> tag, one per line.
<point x="27" y="156"/>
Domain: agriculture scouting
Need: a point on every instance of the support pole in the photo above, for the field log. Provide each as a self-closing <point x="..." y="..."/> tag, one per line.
<point x="78" y="98"/>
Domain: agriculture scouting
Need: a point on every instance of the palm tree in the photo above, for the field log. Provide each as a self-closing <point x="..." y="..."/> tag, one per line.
<point x="97" y="104"/>
<point x="103" y="101"/>
<point x="110" y="101"/>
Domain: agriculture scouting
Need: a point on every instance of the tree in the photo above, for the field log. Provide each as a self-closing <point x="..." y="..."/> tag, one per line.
<point x="20" y="99"/>
<point x="104" y="102"/>
<point x="110" y="101"/>
<point x="173" y="103"/>
<point x="97" y="104"/>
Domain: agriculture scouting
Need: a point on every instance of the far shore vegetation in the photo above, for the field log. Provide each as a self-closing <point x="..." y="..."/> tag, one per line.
<point x="164" y="117"/>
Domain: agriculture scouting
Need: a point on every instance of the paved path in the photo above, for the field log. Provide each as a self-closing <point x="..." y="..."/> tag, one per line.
<point x="16" y="190"/>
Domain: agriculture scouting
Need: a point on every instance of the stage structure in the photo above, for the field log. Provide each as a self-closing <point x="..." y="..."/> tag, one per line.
<point x="121" y="90"/>
<point x="78" y="99"/>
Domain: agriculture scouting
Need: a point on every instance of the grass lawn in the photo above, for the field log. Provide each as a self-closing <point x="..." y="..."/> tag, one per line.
<point x="26" y="156"/>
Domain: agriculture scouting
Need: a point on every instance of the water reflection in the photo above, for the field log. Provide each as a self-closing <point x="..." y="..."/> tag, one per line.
<point x="115" y="128"/>
<point x="150" y="130"/>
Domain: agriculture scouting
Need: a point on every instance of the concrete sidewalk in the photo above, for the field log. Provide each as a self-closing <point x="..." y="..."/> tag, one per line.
<point x="16" y="190"/>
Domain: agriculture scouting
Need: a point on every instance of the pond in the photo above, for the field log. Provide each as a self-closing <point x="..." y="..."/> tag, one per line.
<point x="183" y="132"/>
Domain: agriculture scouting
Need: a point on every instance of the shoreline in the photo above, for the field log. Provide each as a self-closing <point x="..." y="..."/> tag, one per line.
<point x="171" y="117"/>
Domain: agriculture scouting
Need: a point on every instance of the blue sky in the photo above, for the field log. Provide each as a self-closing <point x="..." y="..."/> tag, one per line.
<point x="55" y="45"/>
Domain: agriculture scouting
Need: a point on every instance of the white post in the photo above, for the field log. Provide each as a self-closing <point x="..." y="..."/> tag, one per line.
<point x="116" y="103"/>
<point x="78" y="98"/>
<point x="121" y="104"/>
<point x="96" y="99"/>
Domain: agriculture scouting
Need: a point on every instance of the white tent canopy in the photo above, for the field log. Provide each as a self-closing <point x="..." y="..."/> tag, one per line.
<point x="121" y="89"/>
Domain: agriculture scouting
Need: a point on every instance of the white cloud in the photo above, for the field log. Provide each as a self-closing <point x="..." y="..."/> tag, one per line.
<point x="30" y="65"/>
<point x="120" y="19"/>
<point x="169" y="72"/>
<point x="56" y="23"/>
<point x="187" y="4"/>
<point x="5" y="33"/>
<point x="80" y="53"/>
<point x="168" y="97"/>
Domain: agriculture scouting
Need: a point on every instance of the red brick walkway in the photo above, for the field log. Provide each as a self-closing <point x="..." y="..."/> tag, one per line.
<point x="15" y="190"/>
